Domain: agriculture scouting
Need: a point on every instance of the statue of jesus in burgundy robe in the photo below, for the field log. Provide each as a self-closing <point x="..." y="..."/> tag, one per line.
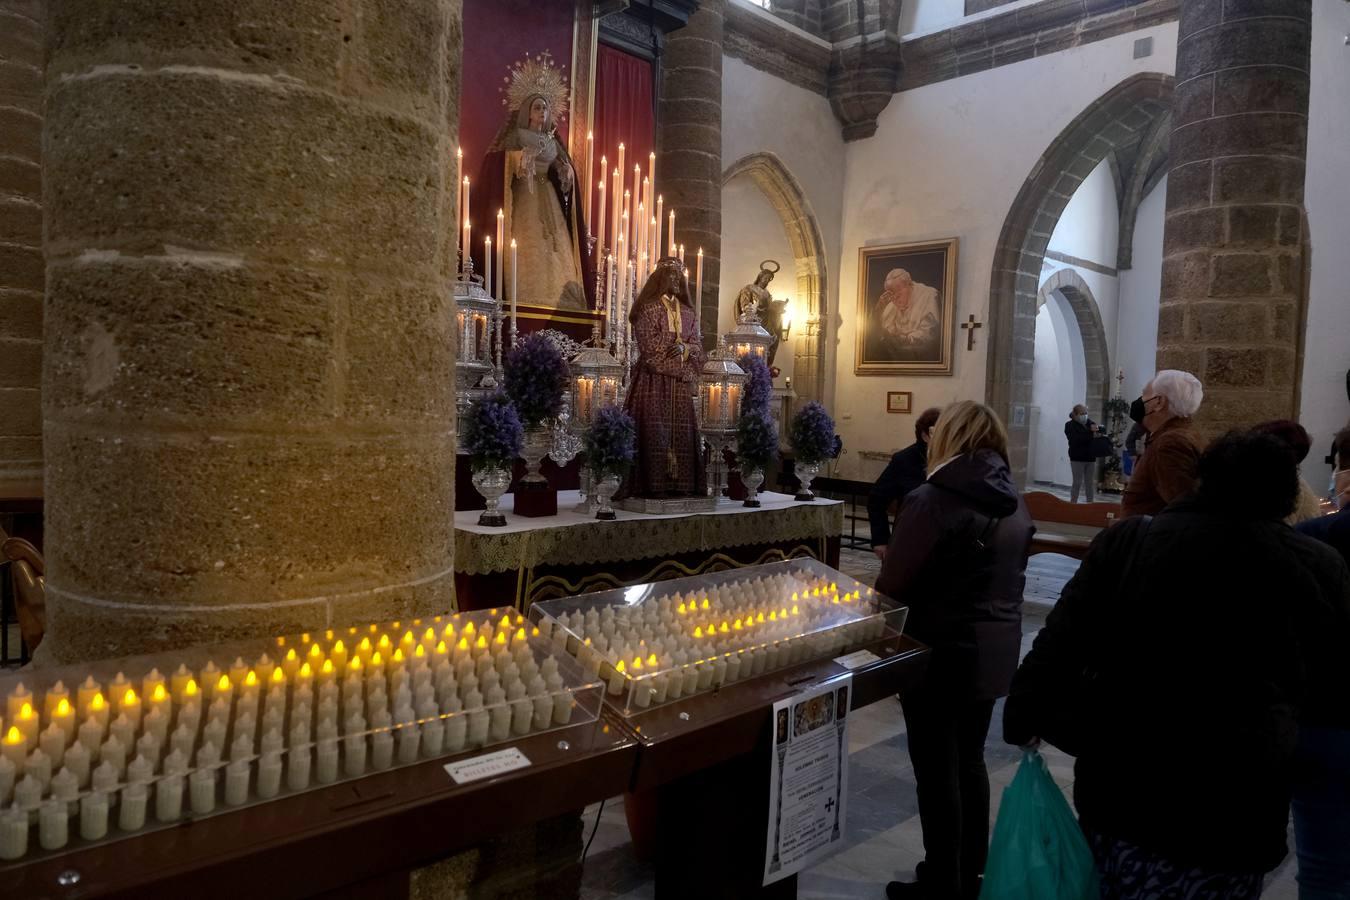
<point x="665" y="381"/>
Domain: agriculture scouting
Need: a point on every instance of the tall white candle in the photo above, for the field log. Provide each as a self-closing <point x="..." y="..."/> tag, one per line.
<point x="609" y="297"/>
<point x="654" y="242"/>
<point x="698" y="280"/>
<point x="651" y="174"/>
<point x="670" y="234"/>
<point x="590" y="170"/>
<point x="616" y="206"/>
<point x="640" y="235"/>
<point x="660" y="220"/>
<point x="513" y="286"/>
<point x="501" y="273"/>
<point x="637" y="197"/>
<point x="464" y="214"/>
<point x="620" y="168"/>
<point x="487" y="261"/>
<point x="600" y="207"/>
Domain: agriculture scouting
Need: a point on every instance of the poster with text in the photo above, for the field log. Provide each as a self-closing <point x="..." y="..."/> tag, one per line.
<point x="808" y="775"/>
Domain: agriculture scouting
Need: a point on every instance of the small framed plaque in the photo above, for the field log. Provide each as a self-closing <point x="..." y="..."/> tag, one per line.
<point x="899" y="401"/>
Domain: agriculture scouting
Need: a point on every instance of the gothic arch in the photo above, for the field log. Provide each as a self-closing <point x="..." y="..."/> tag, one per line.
<point x="1096" y="352"/>
<point x="786" y="196"/>
<point x="1117" y="122"/>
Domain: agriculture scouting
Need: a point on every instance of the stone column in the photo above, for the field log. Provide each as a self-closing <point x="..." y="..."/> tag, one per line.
<point x="21" y="275"/>
<point x="690" y="142"/>
<point x="1234" y="243"/>
<point x="249" y="362"/>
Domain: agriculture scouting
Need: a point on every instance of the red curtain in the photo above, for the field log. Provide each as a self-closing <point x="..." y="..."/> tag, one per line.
<point x="624" y="110"/>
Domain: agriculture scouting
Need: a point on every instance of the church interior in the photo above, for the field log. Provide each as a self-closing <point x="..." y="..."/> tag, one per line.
<point x="436" y="436"/>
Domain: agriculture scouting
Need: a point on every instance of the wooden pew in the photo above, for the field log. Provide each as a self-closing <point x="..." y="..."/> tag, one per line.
<point x="1067" y="528"/>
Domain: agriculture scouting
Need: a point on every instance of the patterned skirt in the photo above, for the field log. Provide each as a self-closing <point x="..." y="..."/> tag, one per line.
<point x="1129" y="872"/>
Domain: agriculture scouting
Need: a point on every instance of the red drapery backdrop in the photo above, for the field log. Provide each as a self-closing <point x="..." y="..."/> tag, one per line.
<point x="624" y="112"/>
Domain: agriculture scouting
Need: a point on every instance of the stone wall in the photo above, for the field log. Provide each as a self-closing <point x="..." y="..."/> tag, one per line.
<point x="21" y="270"/>
<point x="249" y="355"/>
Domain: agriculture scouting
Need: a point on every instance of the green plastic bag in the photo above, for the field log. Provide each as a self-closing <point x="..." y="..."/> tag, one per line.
<point x="1038" y="851"/>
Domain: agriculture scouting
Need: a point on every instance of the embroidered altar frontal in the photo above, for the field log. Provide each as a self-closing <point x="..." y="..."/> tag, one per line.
<point x="568" y="554"/>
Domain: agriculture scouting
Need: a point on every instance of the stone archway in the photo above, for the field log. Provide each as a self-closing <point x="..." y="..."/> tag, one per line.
<point x="1096" y="352"/>
<point x="786" y="196"/>
<point x="1116" y="123"/>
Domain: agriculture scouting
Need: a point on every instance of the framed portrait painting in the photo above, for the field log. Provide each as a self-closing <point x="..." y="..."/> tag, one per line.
<point x="906" y="307"/>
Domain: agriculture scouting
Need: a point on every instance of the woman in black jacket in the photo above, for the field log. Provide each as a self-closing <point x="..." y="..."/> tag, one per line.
<point x="1080" y="432"/>
<point x="958" y="560"/>
<point x="1215" y="630"/>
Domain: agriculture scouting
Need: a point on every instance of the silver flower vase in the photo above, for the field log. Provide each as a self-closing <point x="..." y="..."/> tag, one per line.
<point x="536" y="445"/>
<point x="604" y="489"/>
<point x="752" y="479"/>
<point x="805" y="472"/>
<point x="492" y="482"/>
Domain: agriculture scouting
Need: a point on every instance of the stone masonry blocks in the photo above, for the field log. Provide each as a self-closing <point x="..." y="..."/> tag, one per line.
<point x="248" y="353"/>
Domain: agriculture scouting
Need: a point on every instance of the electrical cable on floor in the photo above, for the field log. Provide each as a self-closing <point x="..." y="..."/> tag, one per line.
<point x="594" y="829"/>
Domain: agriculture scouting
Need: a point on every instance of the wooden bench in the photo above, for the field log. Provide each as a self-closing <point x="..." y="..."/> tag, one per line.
<point x="1067" y="528"/>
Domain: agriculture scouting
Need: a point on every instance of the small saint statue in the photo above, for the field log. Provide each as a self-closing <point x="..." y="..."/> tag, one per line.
<point x="755" y="304"/>
<point x="665" y="380"/>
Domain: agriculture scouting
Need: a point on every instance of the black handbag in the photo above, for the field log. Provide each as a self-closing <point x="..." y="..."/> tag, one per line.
<point x="1102" y="446"/>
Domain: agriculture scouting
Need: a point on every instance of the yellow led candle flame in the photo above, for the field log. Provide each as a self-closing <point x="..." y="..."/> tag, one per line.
<point x="327" y="667"/>
<point x="290" y="655"/>
<point x="481" y="643"/>
<point x="420" y="652"/>
<point x="384" y="643"/>
<point x="222" y="685"/>
<point x="377" y="659"/>
<point x="520" y="634"/>
<point x="773" y="616"/>
<point x="520" y="620"/>
<point x="306" y="671"/>
<point x="189" y="690"/>
<point x="442" y="649"/>
<point x="760" y="619"/>
<point x="374" y="628"/>
<point x="468" y="628"/>
<point x="328" y="635"/>
<point x="834" y="587"/>
<point x="449" y="632"/>
<point x="281" y="642"/>
<point x="534" y="632"/>
<point x="339" y="647"/>
<point x="398" y="655"/>
<point x="725" y="627"/>
<point x="782" y="613"/>
<point x="619" y="667"/>
<point x="13" y="736"/>
<point x="364" y="646"/>
<point x="680" y="609"/>
<point x="736" y="625"/>
<point x="407" y="638"/>
<point x="652" y="661"/>
<point x="698" y="632"/>
<point x="705" y="604"/>
<point x="637" y="663"/>
<point x="63" y="705"/>
<point x="130" y="696"/>
<point x="463" y="644"/>
<point x="429" y="635"/>
<point x="794" y="596"/>
<point x="278" y="676"/>
<point x="500" y="639"/>
<point x="160" y="694"/>
<point x="794" y="609"/>
<point x="505" y="622"/>
<point x="304" y="637"/>
<point x="354" y="665"/>
<point x="251" y="679"/>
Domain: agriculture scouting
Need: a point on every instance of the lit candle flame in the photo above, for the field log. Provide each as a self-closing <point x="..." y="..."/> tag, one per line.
<point x="481" y="643"/>
<point x="420" y="651"/>
<point x="377" y="659"/>
<point x="327" y="667"/>
<point x="63" y="706"/>
<point x="13" y="736"/>
<point x="130" y="695"/>
<point x="189" y="690"/>
<point x="278" y="676"/>
<point x="441" y="649"/>
<point x="160" y="694"/>
<point x="306" y="671"/>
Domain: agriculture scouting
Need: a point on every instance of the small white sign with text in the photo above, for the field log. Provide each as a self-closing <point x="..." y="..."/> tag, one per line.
<point x="857" y="659"/>
<point x="487" y="765"/>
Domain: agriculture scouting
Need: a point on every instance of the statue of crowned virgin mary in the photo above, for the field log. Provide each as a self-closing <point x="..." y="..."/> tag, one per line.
<point x="528" y="175"/>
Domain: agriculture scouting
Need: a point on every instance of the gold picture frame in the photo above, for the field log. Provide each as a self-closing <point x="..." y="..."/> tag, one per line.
<point x="906" y="332"/>
<point x="899" y="402"/>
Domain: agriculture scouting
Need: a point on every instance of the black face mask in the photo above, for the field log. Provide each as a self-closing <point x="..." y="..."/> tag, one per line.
<point x="1137" y="410"/>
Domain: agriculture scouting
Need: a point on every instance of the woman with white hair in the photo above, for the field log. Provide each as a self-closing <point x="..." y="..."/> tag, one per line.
<point x="1166" y="472"/>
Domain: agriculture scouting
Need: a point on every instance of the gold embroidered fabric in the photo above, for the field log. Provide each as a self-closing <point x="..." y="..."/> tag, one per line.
<point x="642" y="538"/>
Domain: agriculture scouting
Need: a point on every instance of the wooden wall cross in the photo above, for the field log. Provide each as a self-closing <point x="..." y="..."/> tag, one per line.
<point x="970" y="327"/>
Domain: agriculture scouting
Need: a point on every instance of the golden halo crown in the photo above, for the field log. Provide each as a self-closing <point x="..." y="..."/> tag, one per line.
<point x="536" y="75"/>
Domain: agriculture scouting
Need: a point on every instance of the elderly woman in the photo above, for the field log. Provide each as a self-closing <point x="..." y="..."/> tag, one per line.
<point x="1215" y="630"/>
<point x="958" y="560"/>
<point x="1080" y="431"/>
<point x="1166" y="471"/>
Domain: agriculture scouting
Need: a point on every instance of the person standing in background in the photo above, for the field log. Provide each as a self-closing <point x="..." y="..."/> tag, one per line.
<point x="1080" y="431"/>
<point x="903" y="473"/>
<point x="958" y="560"/>
<point x="1166" y="472"/>
<point x="1295" y="436"/>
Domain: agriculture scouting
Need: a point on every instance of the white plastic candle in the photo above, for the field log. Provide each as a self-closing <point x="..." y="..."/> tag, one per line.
<point x="150" y="682"/>
<point x="123" y="729"/>
<point x="15" y="701"/>
<point x="354" y="753"/>
<point x="409" y="740"/>
<point x="77" y="762"/>
<point x="84" y="693"/>
<point x="114" y="752"/>
<point x="94" y="816"/>
<point x="131" y="811"/>
<point x="53" y="743"/>
<point x="55" y="694"/>
<point x="149" y="746"/>
<point x="39" y="767"/>
<point x="104" y="778"/>
<point x="236" y="783"/>
<point x="297" y="768"/>
<point x="157" y="723"/>
<point x="28" y="723"/>
<point x="382" y="749"/>
<point x="63" y="717"/>
<point x="129" y="705"/>
<point x="326" y="761"/>
<point x="13" y="834"/>
<point x="53" y="825"/>
<point x="202" y="791"/>
<point x="269" y="775"/>
<point x="169" y="789"/>
<point x="178" y="682"/>
<point x="8" y="773"/>
<point x="28" y="794"/>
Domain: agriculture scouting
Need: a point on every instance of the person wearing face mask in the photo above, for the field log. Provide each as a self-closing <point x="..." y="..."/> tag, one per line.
<point x="1080" y="431"/>
<point x="1167" y="470"/>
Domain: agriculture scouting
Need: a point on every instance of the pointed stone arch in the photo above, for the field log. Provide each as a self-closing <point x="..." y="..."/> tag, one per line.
<point x="785" y="194"/>
<point x="1096" y="351"/>
<point x="1115" y="123"/>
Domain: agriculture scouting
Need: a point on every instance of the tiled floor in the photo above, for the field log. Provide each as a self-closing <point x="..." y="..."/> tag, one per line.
<point x="884" y="839"/>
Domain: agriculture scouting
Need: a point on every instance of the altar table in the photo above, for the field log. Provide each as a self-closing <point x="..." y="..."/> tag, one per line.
<point x="570" y="553"/>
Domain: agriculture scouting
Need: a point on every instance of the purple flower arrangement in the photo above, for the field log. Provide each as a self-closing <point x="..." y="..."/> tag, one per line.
<point x="812" y="434"/>
<point x="758" y="385"/>
<point x="756" y="440"/>
<point x="536" y="377"/>
<point x="492" y="432"/>
<point x="611" y="442"/>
